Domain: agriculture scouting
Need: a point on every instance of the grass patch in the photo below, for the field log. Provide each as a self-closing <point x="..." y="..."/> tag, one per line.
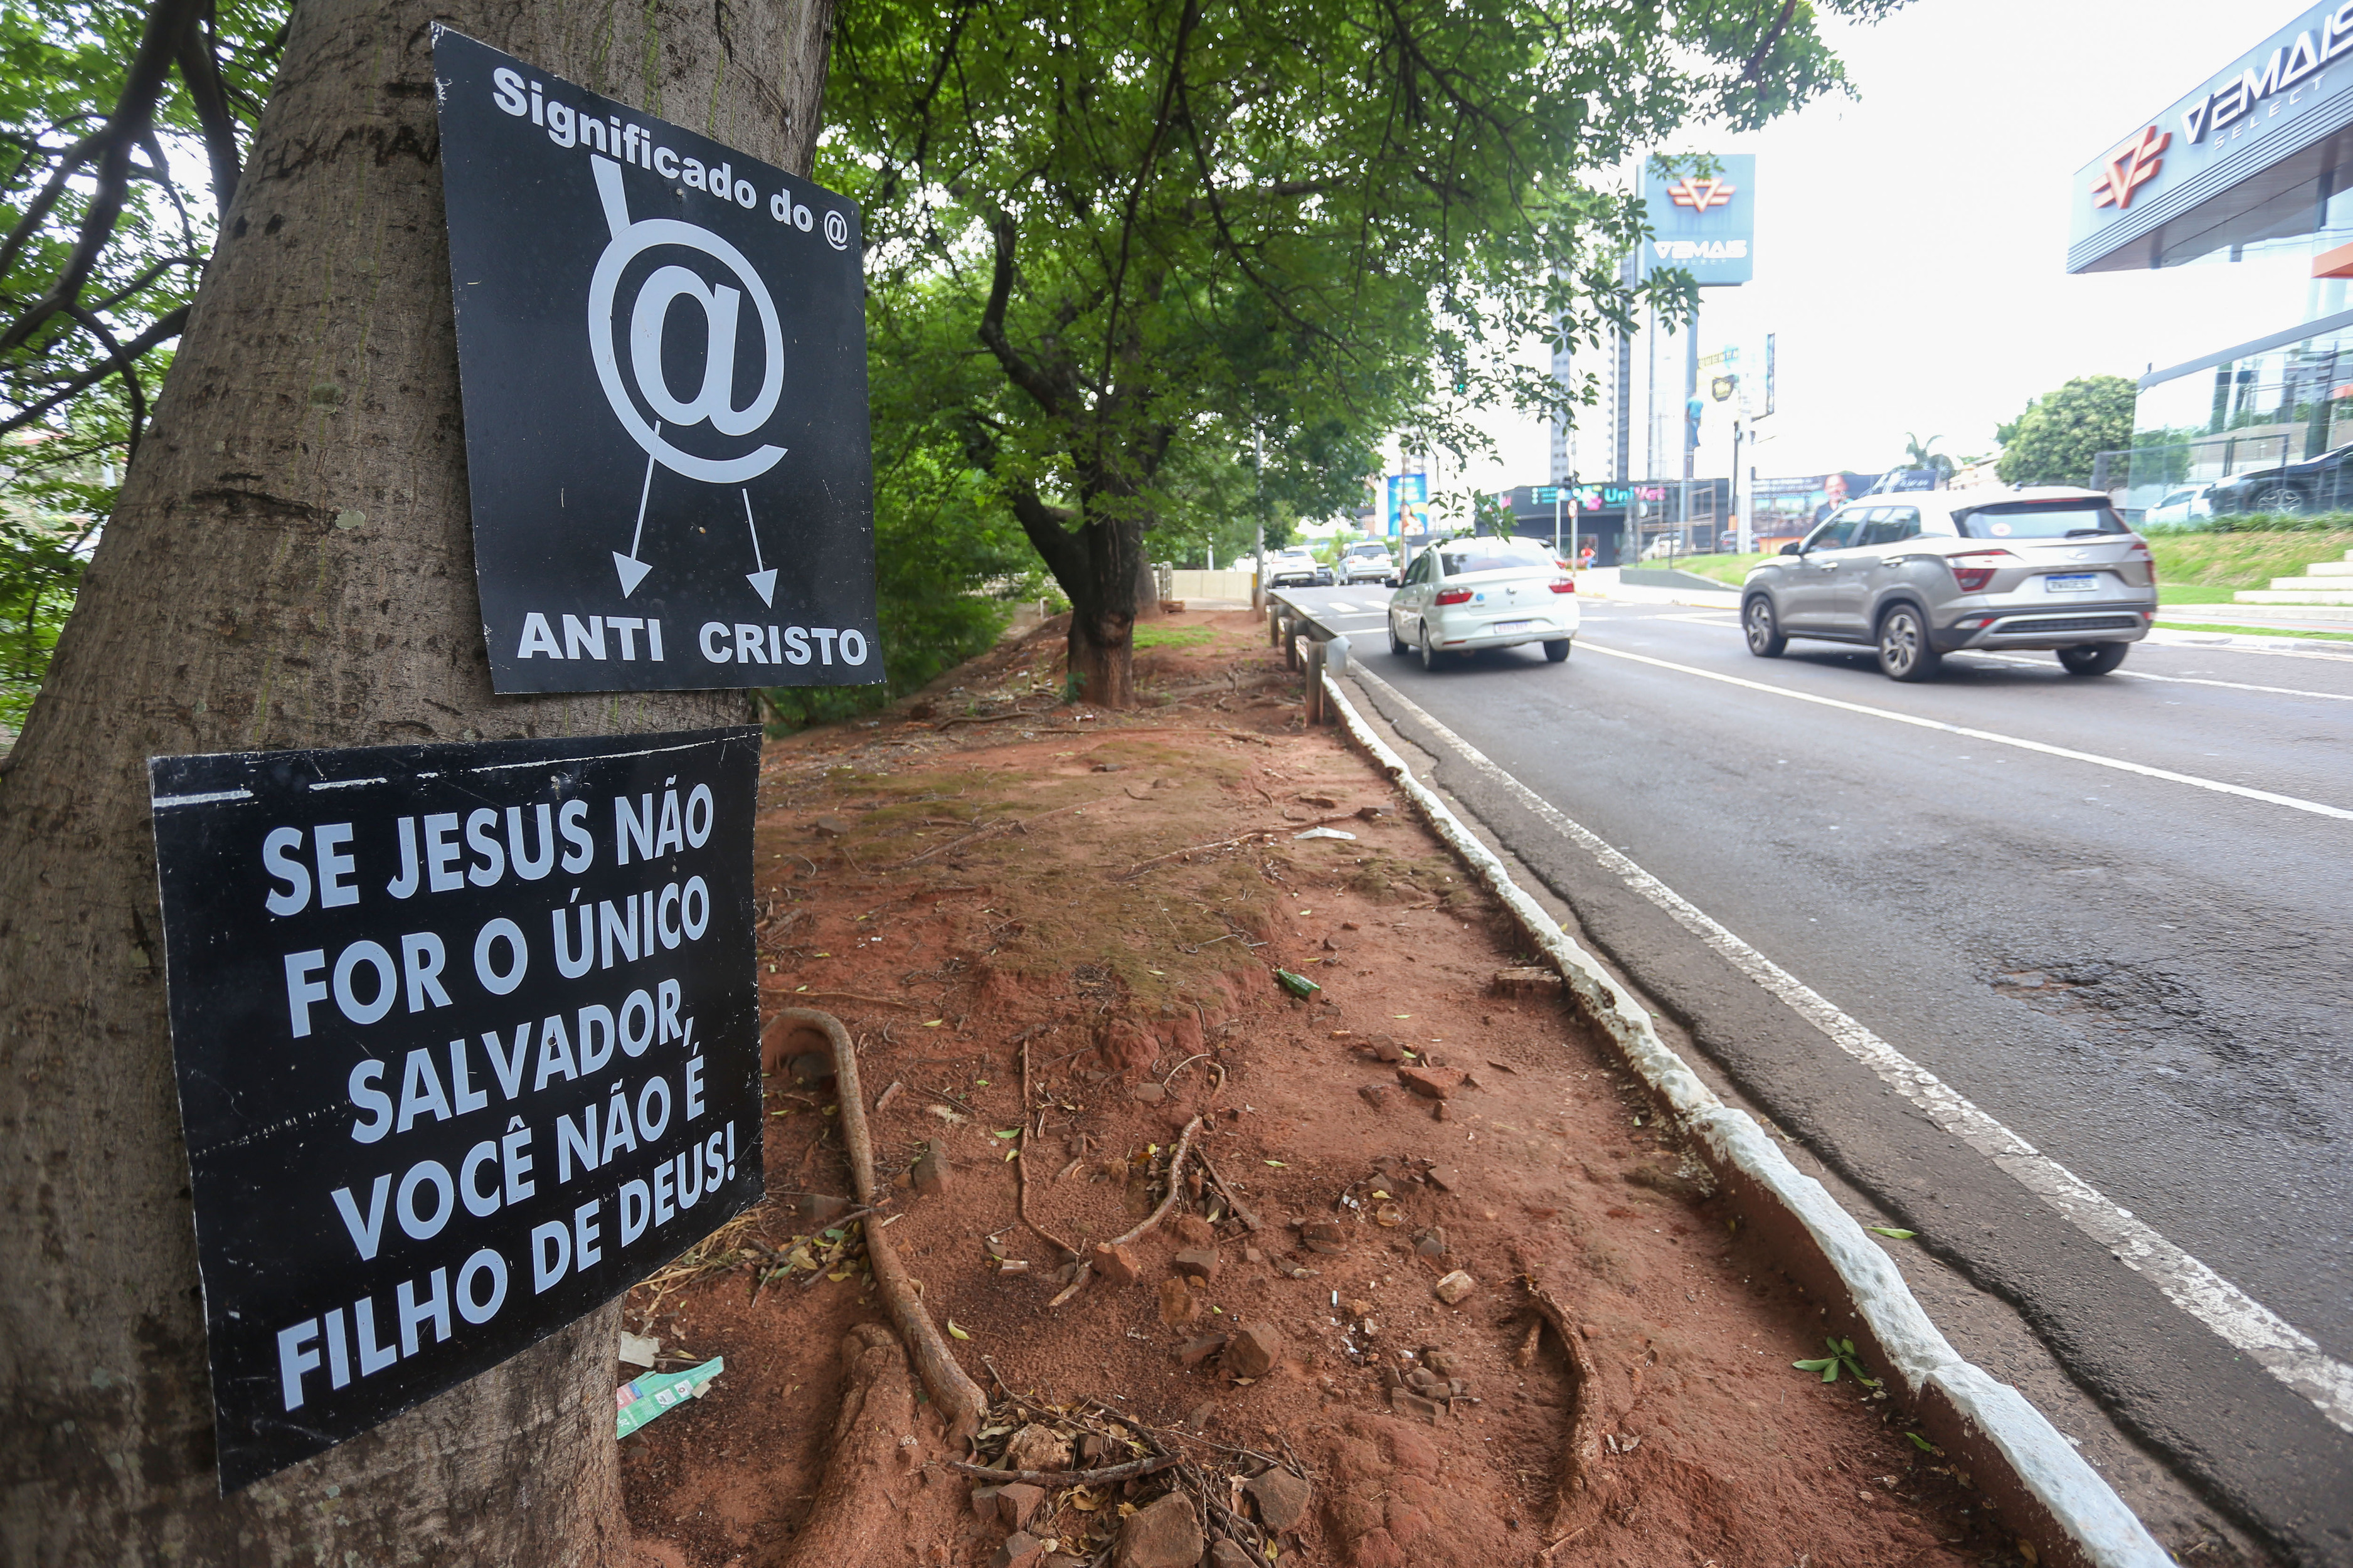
<point x="1729" y="570"/>
<point x="1158" y="636"/>
<point x="2191" y="568"/>
<point x="2222" y="563"/>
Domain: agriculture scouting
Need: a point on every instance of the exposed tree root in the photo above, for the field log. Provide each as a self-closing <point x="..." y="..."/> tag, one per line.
<point x="852" y="1521"/>
<point x="1571" y="1503"/>
<point x="957" y="1397"/>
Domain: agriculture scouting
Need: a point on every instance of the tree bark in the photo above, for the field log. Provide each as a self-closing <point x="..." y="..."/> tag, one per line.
<point x="290" y="564"/>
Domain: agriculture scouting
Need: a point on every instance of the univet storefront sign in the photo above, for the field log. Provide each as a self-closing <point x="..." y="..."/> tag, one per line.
<point x="466" y="1042"/>
<point x="661" y="347"/>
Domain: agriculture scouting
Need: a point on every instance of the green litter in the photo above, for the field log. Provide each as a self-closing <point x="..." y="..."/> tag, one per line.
<point x="641" y="1399"/>
<point x="1299" y="985"/>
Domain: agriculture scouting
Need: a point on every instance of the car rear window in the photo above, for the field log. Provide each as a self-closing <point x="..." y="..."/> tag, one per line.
<point x="1492" y="555"/>
<point x="2039" y="519"/>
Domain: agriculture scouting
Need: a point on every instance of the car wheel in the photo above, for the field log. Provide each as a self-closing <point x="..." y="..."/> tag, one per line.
<point x="1397" y="644"/>
<point x="1764" y="639"/>
<point x="1428" y="654"/>
<point x="1557" y="650"/>
<point x="2285" y="500"/>
<point x="2093" y="658"/>
<point x="1904" y="652"/>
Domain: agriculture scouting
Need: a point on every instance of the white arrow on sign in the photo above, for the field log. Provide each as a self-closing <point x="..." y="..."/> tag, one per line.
<point x="632" y="569"/>
<point x="764" y="581"/>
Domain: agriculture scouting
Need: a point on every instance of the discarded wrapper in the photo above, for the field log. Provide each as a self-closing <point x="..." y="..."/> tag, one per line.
<point x="1325" y="833"/>
<point x="641" y="1399"/>
<point x="640" y="1350"/>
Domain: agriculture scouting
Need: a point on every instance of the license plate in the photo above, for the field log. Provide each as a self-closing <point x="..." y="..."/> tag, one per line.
<point x="1506" y="628"/>
<point x="2072" y="582"/>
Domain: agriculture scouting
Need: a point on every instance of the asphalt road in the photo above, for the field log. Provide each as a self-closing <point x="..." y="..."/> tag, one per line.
<point x="2115" y="918"/>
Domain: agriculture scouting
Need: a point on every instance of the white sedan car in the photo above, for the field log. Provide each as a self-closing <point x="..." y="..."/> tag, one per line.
<point x="1463" y="595"/>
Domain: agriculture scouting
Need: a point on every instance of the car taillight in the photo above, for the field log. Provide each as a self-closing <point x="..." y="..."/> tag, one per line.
<point x="1453" y="597"/>
<point x="1972" y="579"/>
<point x="1564" y="586"/>
<point x="2140" y="553"/>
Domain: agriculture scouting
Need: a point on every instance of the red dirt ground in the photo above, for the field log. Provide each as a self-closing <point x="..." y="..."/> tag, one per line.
<point x="954" y="889"/>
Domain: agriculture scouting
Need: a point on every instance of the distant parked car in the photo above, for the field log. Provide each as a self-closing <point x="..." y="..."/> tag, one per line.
<point x="1295" y="566"/>
<point x="1368" y="561"/>
<point x="1923" y="575"/>
<point x="2187" y="505"/>
<point x="2324" y="483"/>
<point x="1465" y="595"/>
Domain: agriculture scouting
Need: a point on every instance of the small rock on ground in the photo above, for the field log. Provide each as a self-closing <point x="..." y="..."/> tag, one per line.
<point x="1163" y="1535"/>
<point x="1117" y="1264"/>
<point x="1226" y="1554"/>
<point x="1282" y="1499"/>
<point x="1036" y="1447"/>
<point x="1454" y="1286"/>
<point x="1021" y="1550"/>
<point x="1017" y="1504"/>
<point x="1199" y="1262"/>
<point x="1255" y="1348"/>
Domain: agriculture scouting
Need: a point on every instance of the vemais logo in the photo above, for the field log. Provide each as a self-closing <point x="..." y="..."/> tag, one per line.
<point x="2130" y="167"/>
<point x="1701" y="194"/>
<point x="713" y="401"/>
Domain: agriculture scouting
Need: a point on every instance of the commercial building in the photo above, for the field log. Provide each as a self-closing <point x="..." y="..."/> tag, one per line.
<point x="2256" y="162"/>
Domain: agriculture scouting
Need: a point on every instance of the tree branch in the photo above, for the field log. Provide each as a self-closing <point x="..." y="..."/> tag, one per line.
<point x="165" y="326"/>
<point x="127" y="366"/>
<point x="200" y="71"/>
<point x="1029" y="377"/>
<point x="1765" y="46"/>
<point x="130" y="123"/>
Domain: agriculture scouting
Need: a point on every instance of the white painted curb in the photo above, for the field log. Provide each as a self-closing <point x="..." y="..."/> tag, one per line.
<point x="1991" y="1420"/>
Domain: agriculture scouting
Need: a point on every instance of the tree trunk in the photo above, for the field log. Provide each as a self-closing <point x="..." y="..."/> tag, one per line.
<point x="290" y="564"/>
<point x="1148" y="585"/>
<point x="1100" y="581"/>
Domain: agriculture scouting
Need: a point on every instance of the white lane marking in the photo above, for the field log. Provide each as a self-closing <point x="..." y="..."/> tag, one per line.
<point x="2268" y="798"/>
<point x="1342" y="605"/>
<point x="2223" y="643"/>
<point x="2184" y="679"/>
<point x="2273" y="1344"/>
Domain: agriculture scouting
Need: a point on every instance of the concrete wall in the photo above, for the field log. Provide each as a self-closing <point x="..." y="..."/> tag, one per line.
<point x="1190" y="584"/>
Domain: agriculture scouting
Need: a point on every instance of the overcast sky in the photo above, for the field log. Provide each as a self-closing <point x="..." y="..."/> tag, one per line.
<point x="1911" y="241"/>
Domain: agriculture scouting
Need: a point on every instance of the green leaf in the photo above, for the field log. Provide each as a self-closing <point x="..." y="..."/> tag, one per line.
<point x="1898" y="1232"/>
<point x="959" y="1333"/>
<point x="1921" y="1443"/>
<point x="1828" y="1366"/>
<point x="1011" y="1132"/>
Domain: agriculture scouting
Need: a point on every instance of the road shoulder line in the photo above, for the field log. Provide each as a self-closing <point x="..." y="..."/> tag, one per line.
<point x="2032" y="1467"/>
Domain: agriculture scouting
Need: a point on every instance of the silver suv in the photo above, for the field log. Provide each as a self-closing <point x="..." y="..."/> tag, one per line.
<point x="1918" y="577"/>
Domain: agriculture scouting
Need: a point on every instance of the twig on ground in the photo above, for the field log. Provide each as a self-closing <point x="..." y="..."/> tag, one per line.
<point x="1176" y="1186"/>
<point x="1233" y="1201"/>
<point x="1127" y="1471"/>
<point x="857" y="996"/>
<point x="959" y="1398"/>
<point x="1022" y="1170"/>
<point x="1234" y="843"/>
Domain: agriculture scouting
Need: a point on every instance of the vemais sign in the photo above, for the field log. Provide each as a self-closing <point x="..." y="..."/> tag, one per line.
<point x="661" y="345"/>
<point x="467" y="1041"/>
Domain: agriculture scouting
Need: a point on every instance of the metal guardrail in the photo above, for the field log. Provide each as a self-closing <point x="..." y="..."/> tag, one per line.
<point x="1309" y="646"/>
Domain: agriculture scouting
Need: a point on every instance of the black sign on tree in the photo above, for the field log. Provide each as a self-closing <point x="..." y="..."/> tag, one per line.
<point x="467" y="1043"/>
<point x="661" y="344"/>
